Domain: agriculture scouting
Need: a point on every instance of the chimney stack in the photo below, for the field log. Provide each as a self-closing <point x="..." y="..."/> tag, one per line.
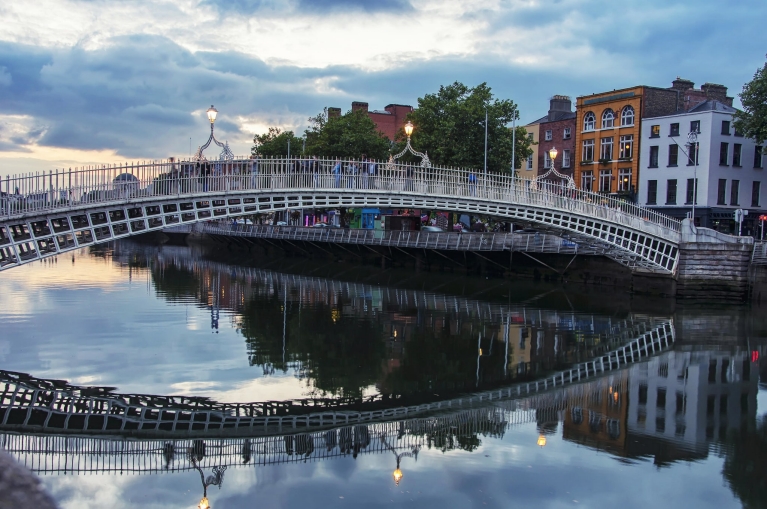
<point x="682" y="84"/>
<point x="559" y="104"/>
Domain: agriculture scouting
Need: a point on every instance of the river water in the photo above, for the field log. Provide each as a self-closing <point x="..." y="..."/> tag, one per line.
<point x="475" y="377"/>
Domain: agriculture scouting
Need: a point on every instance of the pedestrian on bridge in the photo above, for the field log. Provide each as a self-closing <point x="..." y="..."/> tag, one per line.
<point x="472" y="183"/>
<point x="337" y="173"/>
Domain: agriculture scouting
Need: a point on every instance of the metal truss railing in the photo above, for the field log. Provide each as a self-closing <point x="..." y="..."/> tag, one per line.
<point x="65" y="189"/>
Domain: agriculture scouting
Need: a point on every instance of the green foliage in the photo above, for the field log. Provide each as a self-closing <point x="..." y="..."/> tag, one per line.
<point x="450" y="127"/>
<point x="752" y="121"/>
<point x="348" y="136"/>
<point x="275" y="143"/>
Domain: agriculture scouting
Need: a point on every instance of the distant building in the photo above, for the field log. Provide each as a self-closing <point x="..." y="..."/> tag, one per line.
<point x="730" y="168"/>
<point x="608" y="130"/>
<point x="555" y="130"/>
<point x="388" y="121"/>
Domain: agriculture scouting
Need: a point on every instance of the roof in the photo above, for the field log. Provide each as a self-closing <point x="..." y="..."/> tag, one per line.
<point x="558" y="115"/>
<point x="712" y="105"/>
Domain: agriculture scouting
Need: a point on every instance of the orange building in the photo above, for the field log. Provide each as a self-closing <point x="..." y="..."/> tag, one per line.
<point x="608" y="127"/>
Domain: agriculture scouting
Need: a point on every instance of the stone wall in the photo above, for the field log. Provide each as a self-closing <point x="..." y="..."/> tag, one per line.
<point x="713" y="270"/>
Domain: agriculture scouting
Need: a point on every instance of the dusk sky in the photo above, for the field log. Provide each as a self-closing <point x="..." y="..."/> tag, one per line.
<point x="102" y="81"/>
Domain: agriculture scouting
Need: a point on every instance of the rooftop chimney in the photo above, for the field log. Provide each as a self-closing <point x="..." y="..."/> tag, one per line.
<point x="559" y="104"/>
<point x="359" y="105"/>
<point x="682" y="84"/>
<point x="714" y="91"/>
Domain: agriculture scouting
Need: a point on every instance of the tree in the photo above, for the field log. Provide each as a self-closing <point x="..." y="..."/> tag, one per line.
<point x="752" y="121"/>
<point x="274" y="143"/>
<point x="349" y="136"/>
<point x="450" y="127"/>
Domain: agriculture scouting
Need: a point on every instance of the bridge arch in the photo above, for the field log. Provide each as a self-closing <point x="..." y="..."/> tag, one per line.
<point x="36" y="224"/>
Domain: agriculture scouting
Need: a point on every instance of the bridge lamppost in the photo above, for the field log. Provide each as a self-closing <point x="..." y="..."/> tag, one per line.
<point x="408" y="148"/>
<point x="226" y="153"/>
<point x="217" y="479"/>
<point x="570" y="183"/>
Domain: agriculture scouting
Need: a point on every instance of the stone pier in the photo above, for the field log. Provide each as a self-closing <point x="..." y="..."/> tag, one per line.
<point x="712" y="265"/>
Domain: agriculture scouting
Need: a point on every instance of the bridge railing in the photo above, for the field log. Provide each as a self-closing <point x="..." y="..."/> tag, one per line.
<point x="63" y="189"/>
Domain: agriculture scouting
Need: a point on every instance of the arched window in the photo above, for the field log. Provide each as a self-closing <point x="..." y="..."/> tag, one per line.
<point x="627" y="116"/>
<point x="608" y="119"/>
<point x="588" y="121"/>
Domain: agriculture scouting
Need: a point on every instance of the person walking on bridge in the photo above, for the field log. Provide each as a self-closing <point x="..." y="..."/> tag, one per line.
<point x="472" y="183"/>
<point x="337" y="173"/>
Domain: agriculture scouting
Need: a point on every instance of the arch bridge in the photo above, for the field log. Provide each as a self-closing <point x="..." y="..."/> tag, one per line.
<point x="46" y="214"/>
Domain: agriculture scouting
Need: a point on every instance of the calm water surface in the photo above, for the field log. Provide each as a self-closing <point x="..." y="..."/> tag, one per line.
<point x="682" y="426"/>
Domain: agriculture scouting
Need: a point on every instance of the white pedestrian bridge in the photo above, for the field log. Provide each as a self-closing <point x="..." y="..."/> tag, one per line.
<point x="45" y="214"/>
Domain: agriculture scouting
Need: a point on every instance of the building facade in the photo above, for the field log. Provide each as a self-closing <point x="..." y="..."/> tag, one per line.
<point x="729" y="168"/>
<point x="529" y="168"/>
<point x="390" y="120"/>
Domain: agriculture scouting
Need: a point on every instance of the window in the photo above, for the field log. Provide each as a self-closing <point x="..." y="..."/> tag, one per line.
<point x="642" y="394"/>
<point x="652" y="192"/>
<point x="726" y="127"/>
<point x="531" y="136"/>
<point x="723" y="156"/>
<point x="548" y="136"/>
<point x="692" y="155"/>
<point x="627" y="146"/>
<point x="756" y="188"/>
<point x="588" y="150"/>
<point x="660" y="398"/>
<point x="627" y="116"/>
<point x="588" y="121"/>
<point x="737" y="154"/>
<point x="734" y="189"/>
<point x="673" y="154"/>
<point x="674" y="130"/>
<point x="624" y="180"/>
<point x="566" y="133"/>
<point x="587" y="180"/>
<point x="654" y="156"/>
<point x="691" y="191"/>
<point x="655" y="131"/>
<point x="695" y="126"/>
<point x="565" y="159"/>
<point x="608" y="119"/>
<point x="757" y="157"/>
<point x="530" y="162"/>
<point x="546" y="160"/>
<point x="605" y="181"/>
<point x="721" y="193"/>
<point x="671" y="192"/>
<point x="606" y="149"/>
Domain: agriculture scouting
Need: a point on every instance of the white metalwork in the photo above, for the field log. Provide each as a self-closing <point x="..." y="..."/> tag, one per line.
<point x="425" y="163"/>
<point x="226" y="152"/>
<point x="553" y="171"/>
<point x="45" y="214"/>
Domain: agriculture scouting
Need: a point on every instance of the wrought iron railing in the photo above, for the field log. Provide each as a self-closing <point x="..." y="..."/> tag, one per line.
<point x="63" y="189"/>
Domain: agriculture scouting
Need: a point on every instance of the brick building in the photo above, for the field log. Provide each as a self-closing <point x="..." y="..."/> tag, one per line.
<point x="608" y="130"/>
<point x="388" y="121"/>
<point x="555" y="130"/>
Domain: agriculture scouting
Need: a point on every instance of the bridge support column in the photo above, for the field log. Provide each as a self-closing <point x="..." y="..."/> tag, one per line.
<point x="713" y="270"/>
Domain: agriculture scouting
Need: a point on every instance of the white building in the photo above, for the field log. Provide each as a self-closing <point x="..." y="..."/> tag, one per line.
<point x="730" y="168"/>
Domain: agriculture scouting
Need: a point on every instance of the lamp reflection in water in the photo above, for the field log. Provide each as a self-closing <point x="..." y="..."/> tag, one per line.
<point x="541" y="440"/>
<point x="413" y="453"/>
<point x="217" y="479"/>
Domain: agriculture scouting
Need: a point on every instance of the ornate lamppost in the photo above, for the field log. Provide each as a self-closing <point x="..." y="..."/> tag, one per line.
<point x="692" y="147"/>
<point x="413" y="453"/>
<point x="541" y="178"/>
<point x="226" y="153"/>
<point x="425" y="163"/>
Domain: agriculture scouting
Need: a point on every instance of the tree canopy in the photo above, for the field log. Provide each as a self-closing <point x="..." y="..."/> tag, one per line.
<point x="450" y="127"/>
<point x="274" y="143"/>
<point x="752" y="121"/>
<point x="349" y="136"/>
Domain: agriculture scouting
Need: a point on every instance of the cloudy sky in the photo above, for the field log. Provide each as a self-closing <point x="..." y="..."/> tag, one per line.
<point x="86" y="81"/>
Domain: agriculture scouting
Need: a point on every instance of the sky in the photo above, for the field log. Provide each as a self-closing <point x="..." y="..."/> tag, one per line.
<point x="104" y="81"/>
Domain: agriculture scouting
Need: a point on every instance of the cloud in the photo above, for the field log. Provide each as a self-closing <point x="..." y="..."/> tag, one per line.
<point x="251" y="7"/>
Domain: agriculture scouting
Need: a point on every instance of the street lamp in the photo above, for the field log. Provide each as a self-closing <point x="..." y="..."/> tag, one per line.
<point x="226" y="153"/>
<point x="692" y="146"/>
<point x="425" y="163"/>
<point x="212" y="112"/>
<point x="553" y="155"/>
